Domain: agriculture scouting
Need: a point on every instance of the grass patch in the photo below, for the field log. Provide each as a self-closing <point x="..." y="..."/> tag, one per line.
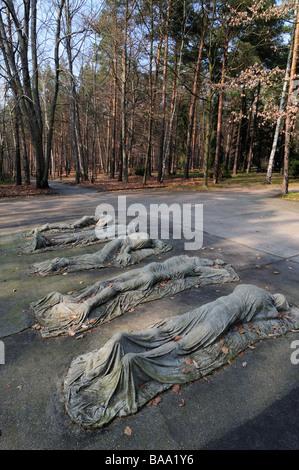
<point x="290" y="196"/>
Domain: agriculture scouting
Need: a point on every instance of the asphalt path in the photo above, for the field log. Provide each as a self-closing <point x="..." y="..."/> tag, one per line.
<point x="251" y="404"/>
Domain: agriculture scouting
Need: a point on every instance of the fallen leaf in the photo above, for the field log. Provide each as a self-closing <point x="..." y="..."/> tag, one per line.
<point x="19" y="387"/>
<point x="80" y="336"/>
<point x="71" y="332"/>
<point x="128" y="431"/>
<point x="182" y="403"/>
<point x="251" y="347"/>
<point x="131" y="309"/>
<point x="258" y="331"/>
<point x="177" y="338"/>
<point x="157" y="400"/>
<point x="224" y="350"/>
<point x="189" y="361"/>
<point x="175" y="388"/>
<point x="186" y="371"/>
<point x="196" y="364"/>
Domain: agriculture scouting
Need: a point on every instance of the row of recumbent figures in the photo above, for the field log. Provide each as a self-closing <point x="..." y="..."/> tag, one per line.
<point x="104" y="383"/>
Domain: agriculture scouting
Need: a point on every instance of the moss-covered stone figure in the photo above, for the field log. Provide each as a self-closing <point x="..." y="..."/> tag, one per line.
<point x="84" y="222"/>
<point x="77" y="234"/>
<point x="131" y="369"/>
<point x="68" y="314"/>
<point x="122" y="251"/>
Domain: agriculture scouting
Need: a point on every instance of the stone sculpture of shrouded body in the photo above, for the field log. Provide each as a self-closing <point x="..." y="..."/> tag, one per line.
<point x="122" y="251"/>
<point x="105" y="300"/>
<point x="66" y="235"/>
<point x="130" y="369"/>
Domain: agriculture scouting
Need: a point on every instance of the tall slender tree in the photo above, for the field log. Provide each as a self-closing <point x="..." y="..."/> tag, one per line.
<point x="288" y="124"/>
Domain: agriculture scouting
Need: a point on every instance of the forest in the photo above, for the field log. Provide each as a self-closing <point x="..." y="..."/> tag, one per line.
<point x="148" y="87"/>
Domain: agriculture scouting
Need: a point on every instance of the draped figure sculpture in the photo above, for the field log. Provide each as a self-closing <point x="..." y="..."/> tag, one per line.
<point x="122" y="251"/>
<point x="84" y="222"/>
<point x="131" y="369"/>
<point x="61" y="236"/>
<point x="106" y="299"/>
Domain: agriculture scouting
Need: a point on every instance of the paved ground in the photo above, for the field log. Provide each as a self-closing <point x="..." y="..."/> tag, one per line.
<point x="252" y="407"/>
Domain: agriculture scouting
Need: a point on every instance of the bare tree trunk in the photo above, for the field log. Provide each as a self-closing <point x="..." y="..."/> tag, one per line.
<point x="153" y="89"/>
<point x="252" y="135"/>
<point x="281" y="107"/>
<point x="49" y="137"/>
<point x="124" y="98"/>
<point x="162" y="131"/>
<point x="248" y="132"/>
<point x="82" y="160"/>
<point x="24" y="147"/>
<point x="114" y="105"/>
<point x="228" y="145"/>
<point x="193" y="102"/>
<point x="288" y="125"/>
<point x="168" y="134"/>
<point x="72" y="90"/>
<point x="17" y="150"/>
<point x="207" y="139"/>
<point x="238" y="144"/>
<point x="150" y="86"/>
<point x="220" y="105"/>
<point x="1" y="157"/>
<point x="26" y="89"/>
<point x="35" y="75"/>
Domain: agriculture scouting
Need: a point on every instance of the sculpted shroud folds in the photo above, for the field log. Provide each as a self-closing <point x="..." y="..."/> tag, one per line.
<point x="131" y="369"/>
<point x="106" y="299"/>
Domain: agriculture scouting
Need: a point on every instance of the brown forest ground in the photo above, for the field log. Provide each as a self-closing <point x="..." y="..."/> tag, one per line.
<point x="195" y="182"/>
